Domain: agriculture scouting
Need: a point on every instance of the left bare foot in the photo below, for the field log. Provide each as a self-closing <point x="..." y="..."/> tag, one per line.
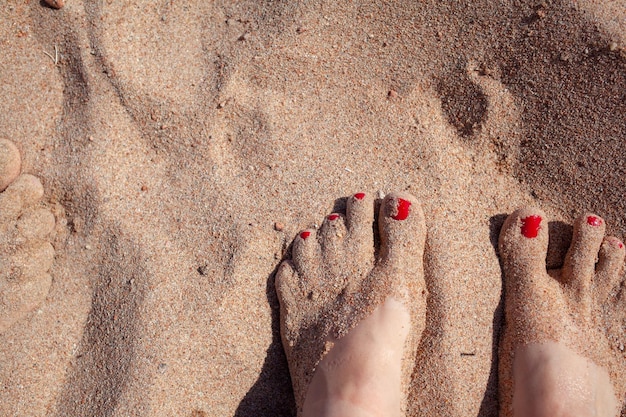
<point x="351" y="323"/>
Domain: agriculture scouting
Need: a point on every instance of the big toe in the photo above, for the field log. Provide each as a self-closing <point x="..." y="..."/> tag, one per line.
<point x="523" y="243"/>
<point x="10" y="163"/>
<point x="402" y="232"/>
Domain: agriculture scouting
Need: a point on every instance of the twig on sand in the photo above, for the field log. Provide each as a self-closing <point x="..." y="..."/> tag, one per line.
<point x="54" y="58"/>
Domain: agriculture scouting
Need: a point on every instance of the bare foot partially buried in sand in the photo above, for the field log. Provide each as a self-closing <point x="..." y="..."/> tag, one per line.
<point x="555" y="355"/>
<point x="351" y="319"/>
<point x="26" y="229"/>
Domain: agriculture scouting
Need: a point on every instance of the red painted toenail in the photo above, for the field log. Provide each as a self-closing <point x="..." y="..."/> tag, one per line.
<point x="530" y="226"/>
<point x="304" y="235"/>
<point x="359" y="196"/>
<point x="403" y="209"/>
<point x="333" y="217"/>
<point x="594" y="221"/>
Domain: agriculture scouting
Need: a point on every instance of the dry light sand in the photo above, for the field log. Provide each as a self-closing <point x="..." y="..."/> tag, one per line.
<point x="172" y="138"/>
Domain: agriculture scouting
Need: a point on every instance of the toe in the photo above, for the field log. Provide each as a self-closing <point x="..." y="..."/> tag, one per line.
<point x="582" y="255"/>
<point x="359" y="221"/>
<point x="36" y="224"/>
<point x="289" y="296"/>
<point x="523" y="244"/>
<point x="32" y="260"/>
<point x="305" y="255"/>
<point x="610" y="262"/>
<point x="332" y="232"/>
<point x="29" y="189"/>
<point x="25" y="191"/>
<point x="10" y="163"/>
<point x="287" y="287"/>
<point x="402" y="231"/>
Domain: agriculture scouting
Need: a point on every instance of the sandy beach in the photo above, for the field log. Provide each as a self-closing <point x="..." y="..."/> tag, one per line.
<point x="183" y="144"/>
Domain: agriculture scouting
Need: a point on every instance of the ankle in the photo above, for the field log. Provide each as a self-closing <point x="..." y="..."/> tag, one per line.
<point x="355" y="395"/>
<point x="362" y="372"/>
<point x="335" y="407"/>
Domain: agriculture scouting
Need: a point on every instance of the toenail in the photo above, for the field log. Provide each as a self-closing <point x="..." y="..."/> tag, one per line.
<point x="305" y="234"/>
<point x="359" y="196"/>
<point x="333" y="217"/>
<point x="530" y="226"/>
<point x="403" y="209"/>
<point x="617" y="242"/>
<point x="594" y="221"/>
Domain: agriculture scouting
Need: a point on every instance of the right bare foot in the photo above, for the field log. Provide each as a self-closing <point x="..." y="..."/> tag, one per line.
<point x="555" y="356"/>
<point x="25" y="234"/>
<point x="351" y="323"/>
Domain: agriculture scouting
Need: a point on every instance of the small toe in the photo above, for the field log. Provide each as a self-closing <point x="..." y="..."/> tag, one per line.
<point x="291" y="300"/>
<point x="523" y="243"/>
<point x="582" y="255"/>
<point x="402" y="231"/>
<point x="287" y="286"/>
<point x="305" y="255"/>
<point x="359" y="221"/>
<point x="10" y="163"/>
<point x="610" y="263"/>
<point x="36" y="224"/>
<point x="332" y="236"/>
<point x="333" y="231"/>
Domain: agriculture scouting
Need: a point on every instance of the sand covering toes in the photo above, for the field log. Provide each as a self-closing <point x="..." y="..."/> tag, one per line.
<point x="334" y="281"/>
<point x="558" y="312"/>
<point x="25" y="230"/>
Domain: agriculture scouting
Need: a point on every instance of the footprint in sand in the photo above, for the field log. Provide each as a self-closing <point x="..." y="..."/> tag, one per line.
<point x="555" y="355"/>
<point x="26" y="230"/>
<point x="351" y="319"/>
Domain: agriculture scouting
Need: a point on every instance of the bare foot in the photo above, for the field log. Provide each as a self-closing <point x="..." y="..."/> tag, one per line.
<point x="25" y="234"/>
<point x="350" y="321"/>
<point x="555" y="356"/>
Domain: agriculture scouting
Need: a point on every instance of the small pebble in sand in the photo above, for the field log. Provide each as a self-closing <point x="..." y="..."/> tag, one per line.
<point x="278" y="226"/>
<point x="392" y="94"/>
<point x="55" y="4"/>
<point x="144" y="188"/>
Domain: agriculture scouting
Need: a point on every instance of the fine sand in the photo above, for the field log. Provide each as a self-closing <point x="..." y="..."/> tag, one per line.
<point x="182" y="145"/>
